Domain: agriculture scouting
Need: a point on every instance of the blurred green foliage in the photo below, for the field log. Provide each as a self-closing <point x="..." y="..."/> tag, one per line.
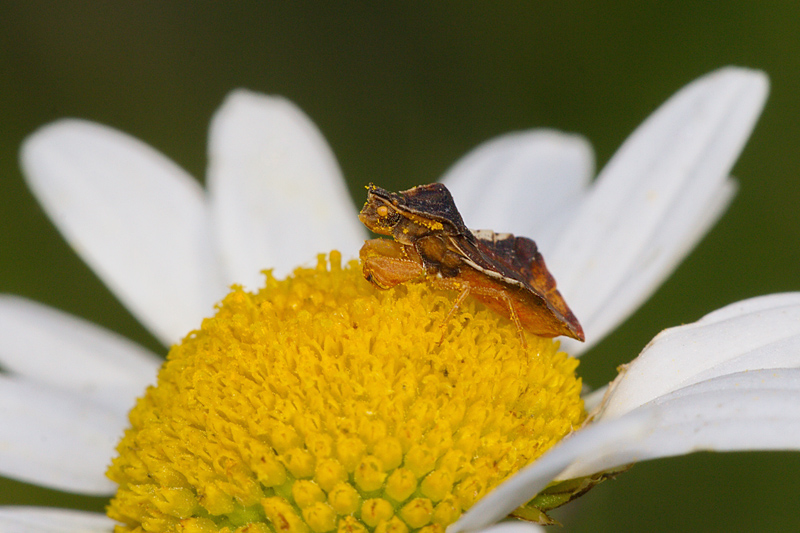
<point x="401" y="90"/>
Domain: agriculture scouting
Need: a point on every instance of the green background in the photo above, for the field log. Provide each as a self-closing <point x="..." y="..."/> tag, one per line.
<point x="401" y="91"/>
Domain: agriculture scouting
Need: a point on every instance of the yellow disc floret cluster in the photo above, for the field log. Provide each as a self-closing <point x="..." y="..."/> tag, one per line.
<point x="322" y="403"/>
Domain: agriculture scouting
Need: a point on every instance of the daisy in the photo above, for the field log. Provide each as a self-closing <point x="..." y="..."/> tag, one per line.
<point x="276" y="197"/>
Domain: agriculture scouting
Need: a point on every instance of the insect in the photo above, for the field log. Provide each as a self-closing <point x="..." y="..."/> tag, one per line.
<point x="504" y="272"/>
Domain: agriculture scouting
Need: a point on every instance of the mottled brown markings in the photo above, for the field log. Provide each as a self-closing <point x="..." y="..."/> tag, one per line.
<point x="504" y="272"/>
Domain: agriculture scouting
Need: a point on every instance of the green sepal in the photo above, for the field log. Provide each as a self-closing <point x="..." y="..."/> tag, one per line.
<point x="559" y="493"/>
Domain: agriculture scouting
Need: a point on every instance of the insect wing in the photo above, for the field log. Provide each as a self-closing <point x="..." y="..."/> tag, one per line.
<point x="518" y="260"/>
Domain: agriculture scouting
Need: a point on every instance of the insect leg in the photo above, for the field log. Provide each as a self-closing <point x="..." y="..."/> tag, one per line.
<point x="448" y="284"/>
<point x="459" y="300"/>
<point x="514" y="318"/>
<point x="388" y="263"/>
<point x="500" y="301"/>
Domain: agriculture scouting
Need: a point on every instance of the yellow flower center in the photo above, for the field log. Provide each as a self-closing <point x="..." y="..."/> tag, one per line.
<point x="322" y="403"/>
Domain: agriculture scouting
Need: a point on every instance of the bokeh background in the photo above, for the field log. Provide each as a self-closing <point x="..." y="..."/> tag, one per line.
<point x="401" y="91"/>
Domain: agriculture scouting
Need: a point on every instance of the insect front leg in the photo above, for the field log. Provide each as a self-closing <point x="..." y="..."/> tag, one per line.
<point x="386" y="263"/>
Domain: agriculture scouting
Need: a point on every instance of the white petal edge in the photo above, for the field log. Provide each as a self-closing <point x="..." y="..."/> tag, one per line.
<point x="749" y="335"/>
<point x="513" y="526"/>
<point x="751" y="306"/>
<point x="277" y="194"/>
<point x="55" y="439"/>
<point x="757" y="410"/>
<point x="46" y="345"/>
<point x="667" y="248"/>
<point x="18" y="519"/>
<point x="681" y="153"/>
<point x="529" y="481"/>
<point x="136" y="218"/>
<point x="752" y="410"/>
<point x="528" y="183"/>
<point x="593" y="399"/>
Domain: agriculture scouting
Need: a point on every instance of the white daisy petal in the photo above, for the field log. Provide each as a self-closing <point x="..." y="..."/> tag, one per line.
<point x="514" y="526"/>
<point x="46" y="345"/>
<point x="593" y="399"/>
<point x="529" y="481"/>
<point x="764" y="333"/>
<point x="751" y="306"/>
<point x="15" y="519"/>
<point x="756" y="410"/>
<point x="720" y="384"/>
<point x="671" y="167"/>
<point x="277" y="193"/>
<point x="527" y="183"/>
<point x="775" y="379"/>
<point x="659" y="259"/>
<point x="56" y="439"/>
<point x="133" y="215"/>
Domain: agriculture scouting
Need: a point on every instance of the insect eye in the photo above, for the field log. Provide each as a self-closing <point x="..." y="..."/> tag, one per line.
<point x="382" y="211"/>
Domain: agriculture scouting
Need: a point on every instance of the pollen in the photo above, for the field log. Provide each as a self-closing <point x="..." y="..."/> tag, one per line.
<point x="322" y="404"/>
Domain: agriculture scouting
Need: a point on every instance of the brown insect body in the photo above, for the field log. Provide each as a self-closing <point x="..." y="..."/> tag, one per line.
<point x="504" y="272"/>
